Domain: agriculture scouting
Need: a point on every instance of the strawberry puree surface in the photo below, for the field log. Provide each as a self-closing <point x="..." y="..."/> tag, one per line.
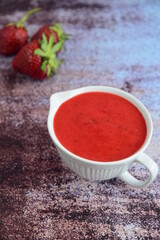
<point x="100" y="126"/>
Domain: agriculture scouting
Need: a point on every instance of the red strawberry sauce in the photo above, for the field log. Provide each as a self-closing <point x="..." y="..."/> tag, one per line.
<point x="100" y="126"/>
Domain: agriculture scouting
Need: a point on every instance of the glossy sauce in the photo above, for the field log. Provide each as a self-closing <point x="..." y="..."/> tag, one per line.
<point x="100" y="126"/>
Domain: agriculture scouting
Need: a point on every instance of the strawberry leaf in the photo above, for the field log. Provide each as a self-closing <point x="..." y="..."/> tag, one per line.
<point x="44" y="66"/>
<point x="44" y="46"/>
<point x="48" y="51"/>
<point x="40" y="52"/>
<point x="48" y="71"/>
<point x="51" y="40"/>
<point x="53" y="71"/>
<point x="57" y="47"/>
<point x="61" y="34"/>
<point x="44" y="39"/>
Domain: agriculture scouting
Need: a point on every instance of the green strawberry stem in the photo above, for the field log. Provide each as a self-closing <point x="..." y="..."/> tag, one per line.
<point x="48" y="53"/>
<point x="23" y="20"/>
<point x="29" y="13"/>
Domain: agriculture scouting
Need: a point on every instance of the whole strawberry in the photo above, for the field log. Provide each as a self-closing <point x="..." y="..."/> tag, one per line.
<point x="38" y="58"/>
<point x="56" y="30"/>
<point x="14" y="35"/>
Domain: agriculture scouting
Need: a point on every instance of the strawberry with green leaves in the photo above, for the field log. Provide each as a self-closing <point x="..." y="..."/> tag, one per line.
<point x="14" y="35"/>
<point x="56" y="30"/>
<point x="38" y="58"/>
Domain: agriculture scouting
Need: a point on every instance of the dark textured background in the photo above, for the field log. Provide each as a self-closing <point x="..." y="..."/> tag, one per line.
<point x="115" y="44"/>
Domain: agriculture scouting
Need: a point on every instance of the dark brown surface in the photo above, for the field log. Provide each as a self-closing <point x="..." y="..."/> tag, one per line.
<point x="114" y="44"/>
